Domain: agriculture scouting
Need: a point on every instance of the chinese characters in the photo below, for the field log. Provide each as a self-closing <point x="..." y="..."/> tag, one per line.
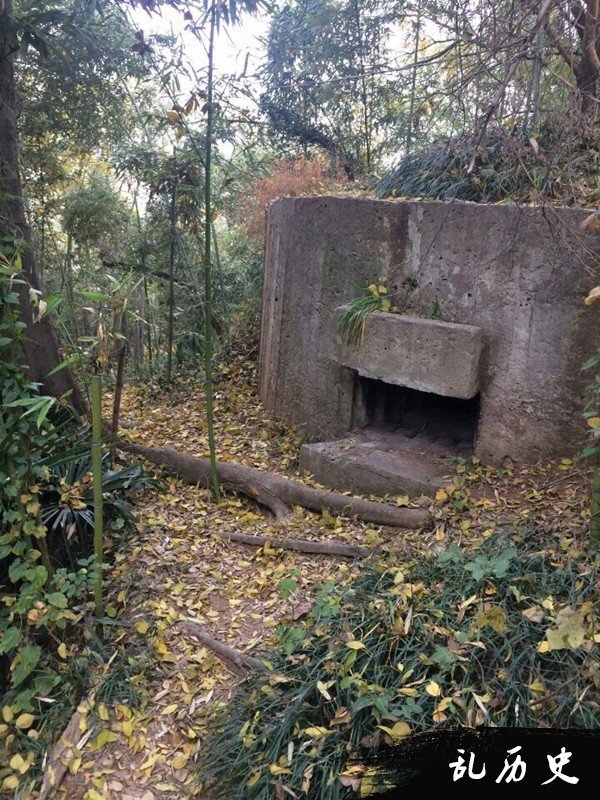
<point x="514" y="769"/>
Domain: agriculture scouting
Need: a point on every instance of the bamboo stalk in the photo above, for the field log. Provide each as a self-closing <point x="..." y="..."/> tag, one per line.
<point x="208" y="338"/>
<point x="118" y="393"/>
<point x="97" y="478"/>
<point x="172" y="216"/>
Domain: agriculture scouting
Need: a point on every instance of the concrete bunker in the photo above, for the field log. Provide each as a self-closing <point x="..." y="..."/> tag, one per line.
<point x="495" y="372"/>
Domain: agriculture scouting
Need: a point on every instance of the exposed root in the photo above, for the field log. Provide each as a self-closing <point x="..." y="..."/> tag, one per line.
<point x="274" y="492"/>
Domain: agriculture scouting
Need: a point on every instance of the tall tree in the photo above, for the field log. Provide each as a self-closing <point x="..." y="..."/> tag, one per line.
<point x="40" y="343"/>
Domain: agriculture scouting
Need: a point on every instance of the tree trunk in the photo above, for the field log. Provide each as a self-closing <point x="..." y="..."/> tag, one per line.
<point x="119" y="381"/>
<point x="224" y="651"/>
<point x="585" y="64"/>
<point x="40" y="344"/>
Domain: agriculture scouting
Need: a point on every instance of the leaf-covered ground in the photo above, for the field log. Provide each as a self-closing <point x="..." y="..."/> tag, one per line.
<point x="148" y="720"/>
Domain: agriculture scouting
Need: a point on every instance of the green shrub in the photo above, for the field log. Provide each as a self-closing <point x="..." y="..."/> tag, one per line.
<point x="46" y="572"/>
<point x="501" y="635"/>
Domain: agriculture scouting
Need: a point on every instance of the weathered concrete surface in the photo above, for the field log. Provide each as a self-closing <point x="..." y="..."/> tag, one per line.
<point x="378" y="462"/>
<point x="424" y="354"/>
<point x="518" y="273"/>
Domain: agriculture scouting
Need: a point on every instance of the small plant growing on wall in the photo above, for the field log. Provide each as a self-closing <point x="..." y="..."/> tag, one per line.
<point x="374" y="297"/>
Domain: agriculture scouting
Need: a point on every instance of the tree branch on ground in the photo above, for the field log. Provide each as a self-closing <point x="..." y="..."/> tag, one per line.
<point x="275" y="492"/>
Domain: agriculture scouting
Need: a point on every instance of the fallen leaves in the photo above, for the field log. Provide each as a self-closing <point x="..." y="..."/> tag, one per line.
<point x="172" y="567"/>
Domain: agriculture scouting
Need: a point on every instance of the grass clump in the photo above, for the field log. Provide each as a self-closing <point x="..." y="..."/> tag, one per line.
<point x="353" y="320"/>
<point x="499" y="634"/>
<point x="559" y="164"/>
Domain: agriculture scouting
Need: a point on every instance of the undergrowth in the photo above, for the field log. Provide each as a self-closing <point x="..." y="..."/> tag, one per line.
<point x="556" y="164"/>
<point x="501" y="634"/>
<point x="46" y="572"/>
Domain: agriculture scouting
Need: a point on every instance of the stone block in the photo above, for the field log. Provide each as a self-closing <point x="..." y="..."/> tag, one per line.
<point x="375" y="462"/>
<point x="423" y="354"/>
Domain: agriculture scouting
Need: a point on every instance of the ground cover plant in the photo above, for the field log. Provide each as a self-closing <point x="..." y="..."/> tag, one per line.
<point x="501" y="632"/>
<point x="137" y="159"/>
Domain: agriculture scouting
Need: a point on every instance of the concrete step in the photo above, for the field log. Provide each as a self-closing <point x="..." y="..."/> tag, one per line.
<point x="380" y="462"/>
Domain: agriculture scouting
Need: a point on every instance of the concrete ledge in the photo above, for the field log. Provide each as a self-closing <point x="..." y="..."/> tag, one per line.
<point x="378" y="463"/>
<point x="425" y="354"/>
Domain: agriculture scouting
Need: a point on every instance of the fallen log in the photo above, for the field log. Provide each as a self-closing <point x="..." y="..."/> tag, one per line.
<point x="224" y="650"/>
<point x="301" y="545"/>
<point x="275" y="492"/>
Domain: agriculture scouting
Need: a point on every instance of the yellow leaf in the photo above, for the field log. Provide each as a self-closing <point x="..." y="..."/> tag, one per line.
<point x="441" y="495"/>
<point x="253" y="778"/>
<point x="323" y="690"/>
<point x="62" y="650"/>
<point x="533" y="613"/>
<point x="102" y="712"/>
<point x="18" y="764"/>
<point x="74" y="765"/>
<point x="169" y="709"/>
<point x="317" y="732"/>
<point x="433" y="689"/>
<point x="105" y="737"/>
<point x="127" y="727"/>
<point x="24" y="721"/>
<point x="342" y="716"/>
<point x="142" y="627"/>
<point x="409" y="691"/>
<point x="7" y="714"/>
<point x="594" y="422"/>
<point x="353" y="644"/>
<point x="592" y="296"/>
<point x="275" y="769"/>
<point x="180" y="761"/>
<point x="92" y="794"/>
<point x="568" y="633"/>
<point x="11" y="782"/>
<point x="398" y="731"/>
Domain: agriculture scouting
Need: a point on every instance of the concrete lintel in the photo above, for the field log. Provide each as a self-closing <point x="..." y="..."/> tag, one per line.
<point x="425" y="354"/>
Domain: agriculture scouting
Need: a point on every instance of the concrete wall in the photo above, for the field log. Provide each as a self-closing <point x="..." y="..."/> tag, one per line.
<point x="519" y="273"/>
